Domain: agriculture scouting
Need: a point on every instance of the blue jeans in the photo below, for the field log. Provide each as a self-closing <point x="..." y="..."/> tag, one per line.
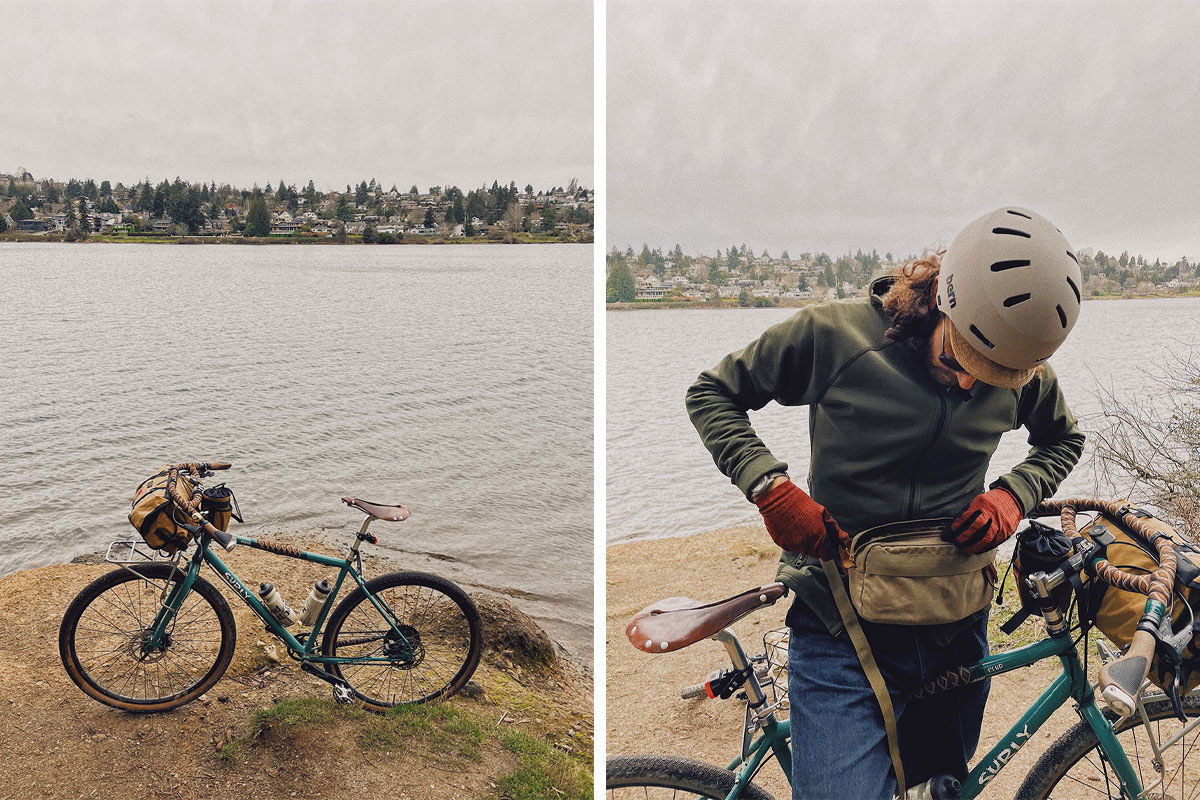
<point x="839" y="746"/>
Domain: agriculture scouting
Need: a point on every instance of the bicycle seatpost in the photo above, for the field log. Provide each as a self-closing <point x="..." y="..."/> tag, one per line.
<point x="363" y="536"/>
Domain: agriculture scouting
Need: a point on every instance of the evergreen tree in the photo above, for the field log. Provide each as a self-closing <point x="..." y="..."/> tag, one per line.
<point x="429" y="223"/>
<point x="70" y="221"/>
<point x="20" y="211"/>
<point x="258" y="220"/>
<point x="549" y="218"/>
<point x="620" y="287"/>
<point x="460" y="214"/>
<point x="3" y="224"/>
<point x="360" y="194"/>
<point x="158" y="206"/>
<point x="105" y="189"/>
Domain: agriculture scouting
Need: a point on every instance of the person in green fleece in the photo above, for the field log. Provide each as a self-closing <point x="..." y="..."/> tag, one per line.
<point x="908" y="392"/>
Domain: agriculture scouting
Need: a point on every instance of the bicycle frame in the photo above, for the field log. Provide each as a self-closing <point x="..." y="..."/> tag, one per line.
<point x="1071" y="684"/>
<point x="306" y="650"/>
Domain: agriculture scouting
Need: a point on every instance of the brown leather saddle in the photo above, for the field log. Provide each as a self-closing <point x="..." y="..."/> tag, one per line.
<point x="676" y="622"/>
<point x="378" y="510"/>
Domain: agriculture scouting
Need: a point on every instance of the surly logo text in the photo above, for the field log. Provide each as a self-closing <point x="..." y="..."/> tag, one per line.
<point x="1005" y="755"/>
<point x="233" y="584"/>
<point x="950" y="290"/>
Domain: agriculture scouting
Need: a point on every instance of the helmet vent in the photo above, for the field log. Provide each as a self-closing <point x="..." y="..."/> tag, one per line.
<point x="1000" y="266"/>
<point x="1019" y="214"/>
<point x="1074" y="288"/>
<point x="1073" y="258"/>
<point x="1011" y="232"/>
<point x="1062" y="316"/>
<point x="1016" y="298"/>
<point x="982" y="338"/>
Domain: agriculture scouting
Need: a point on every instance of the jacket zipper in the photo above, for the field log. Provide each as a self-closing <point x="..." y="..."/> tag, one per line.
<point x="916" y="470"/>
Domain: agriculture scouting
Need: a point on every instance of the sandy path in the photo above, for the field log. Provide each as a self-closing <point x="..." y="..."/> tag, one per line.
<point x="645" y="714"/>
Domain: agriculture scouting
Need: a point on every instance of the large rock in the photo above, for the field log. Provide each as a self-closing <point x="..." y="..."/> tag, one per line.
<point x="510" y="633"/>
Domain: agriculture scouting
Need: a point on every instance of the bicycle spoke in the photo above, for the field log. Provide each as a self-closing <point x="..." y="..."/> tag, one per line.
<point x="439" y="643"/>
<point x="112" y="631"/>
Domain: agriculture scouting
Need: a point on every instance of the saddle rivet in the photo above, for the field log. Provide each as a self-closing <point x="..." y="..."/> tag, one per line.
<point x="633" y="629"/>
<point x="762" y="598"/>
<point x="663" y="645"/>
<point x="649" y="643"/>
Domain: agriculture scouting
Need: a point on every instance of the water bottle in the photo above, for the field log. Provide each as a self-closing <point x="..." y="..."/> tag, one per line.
<point x="315" y="602"/>
<point x="274" y="603"/>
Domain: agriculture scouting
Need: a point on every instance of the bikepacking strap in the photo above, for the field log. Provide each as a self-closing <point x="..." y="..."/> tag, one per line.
<point x="867" y="659"/>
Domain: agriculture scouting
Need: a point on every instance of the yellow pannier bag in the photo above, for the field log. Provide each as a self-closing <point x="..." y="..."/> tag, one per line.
<point x="155" y="514"/>
<point x="1116" y="612"/>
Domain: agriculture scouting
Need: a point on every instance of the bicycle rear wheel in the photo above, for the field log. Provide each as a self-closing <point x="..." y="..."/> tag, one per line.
<point x="1073" y="768"/>
<point x="429" y="645"/>
<point x="671" y="778"/>
<point x="103" y="631"/>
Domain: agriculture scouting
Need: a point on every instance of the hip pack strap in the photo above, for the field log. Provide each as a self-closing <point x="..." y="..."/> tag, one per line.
<point x="867" y="659"/>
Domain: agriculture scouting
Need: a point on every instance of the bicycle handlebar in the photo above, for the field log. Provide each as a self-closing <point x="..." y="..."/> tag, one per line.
<point x="1122" y="678"/>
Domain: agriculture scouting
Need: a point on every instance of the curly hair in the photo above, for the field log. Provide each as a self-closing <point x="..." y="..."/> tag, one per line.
<point x="909" y="302"/>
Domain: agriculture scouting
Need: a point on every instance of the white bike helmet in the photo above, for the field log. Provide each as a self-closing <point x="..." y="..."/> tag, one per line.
<point x="1009" y="283"/>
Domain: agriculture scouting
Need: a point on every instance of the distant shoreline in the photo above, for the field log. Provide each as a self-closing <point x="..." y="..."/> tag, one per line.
<point x="288" y="240"/>
<point x="708" y="305"/>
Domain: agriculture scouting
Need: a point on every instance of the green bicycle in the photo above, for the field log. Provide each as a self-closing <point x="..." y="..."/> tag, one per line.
<point x="1139" y="746"/>
<point x="153" y="634"/>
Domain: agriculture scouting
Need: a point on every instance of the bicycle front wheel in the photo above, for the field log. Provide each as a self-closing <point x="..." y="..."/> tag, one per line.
<point x="1074" y="768"/>
<point x="669" y="777"/>
<point x="426" y="647"/>
<point x="102" y="636"/>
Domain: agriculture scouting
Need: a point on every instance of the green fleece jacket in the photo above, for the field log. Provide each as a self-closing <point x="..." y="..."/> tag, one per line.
<point x="888" y="442"/>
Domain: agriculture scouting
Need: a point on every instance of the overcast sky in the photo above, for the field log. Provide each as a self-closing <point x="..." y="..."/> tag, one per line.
<point x="835" y="126"/>
<point x="405" y="92"/>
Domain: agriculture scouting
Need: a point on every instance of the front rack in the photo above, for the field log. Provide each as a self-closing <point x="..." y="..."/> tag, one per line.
<point x="136" y="551"/>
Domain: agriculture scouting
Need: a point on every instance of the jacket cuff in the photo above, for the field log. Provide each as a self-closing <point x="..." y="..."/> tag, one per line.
<point x="753" y="471"/>
<point x="1027" y="496"/>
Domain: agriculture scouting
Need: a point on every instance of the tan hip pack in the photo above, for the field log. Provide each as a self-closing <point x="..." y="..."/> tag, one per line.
<point x="904" y="574"/>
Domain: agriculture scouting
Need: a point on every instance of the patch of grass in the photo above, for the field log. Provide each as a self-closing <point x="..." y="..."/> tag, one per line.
<point x="296" y="712"/>
<point x="229" y="752"/>
<point x="454" y="726"/>
<point x="542" y="772"/>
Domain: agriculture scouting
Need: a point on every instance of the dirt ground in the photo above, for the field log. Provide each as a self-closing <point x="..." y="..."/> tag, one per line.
<point x="644" y="711"/>
<point x="56" y="742"/>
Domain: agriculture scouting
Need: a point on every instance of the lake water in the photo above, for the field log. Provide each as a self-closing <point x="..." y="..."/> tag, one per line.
<point x="455" y="380"/>
<point x="661" y="480"/>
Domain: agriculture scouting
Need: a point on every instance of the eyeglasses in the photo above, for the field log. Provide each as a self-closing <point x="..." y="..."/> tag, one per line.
<point x="946" y="359"/>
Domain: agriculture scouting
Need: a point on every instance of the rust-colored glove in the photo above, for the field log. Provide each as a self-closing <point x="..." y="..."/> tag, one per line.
<point x="798" y="523"/>
<point x="989" y="520"/>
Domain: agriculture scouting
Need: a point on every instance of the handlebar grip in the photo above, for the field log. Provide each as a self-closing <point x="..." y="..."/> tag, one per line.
<point x="227" y="540"/>
<point x="1122" y="679"/>
<point x="219" y="465"/>
<point x="699" y="690"/>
